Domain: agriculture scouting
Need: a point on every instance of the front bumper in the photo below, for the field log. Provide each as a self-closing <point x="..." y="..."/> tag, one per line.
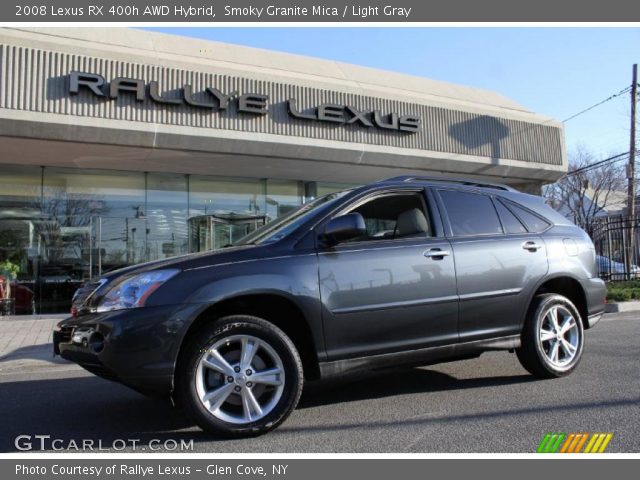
<point x="137" y="347"/>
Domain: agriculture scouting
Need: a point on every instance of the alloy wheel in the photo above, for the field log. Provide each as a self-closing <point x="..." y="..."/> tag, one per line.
<point x="240" y="379"/>
<point x="559" y="336"/>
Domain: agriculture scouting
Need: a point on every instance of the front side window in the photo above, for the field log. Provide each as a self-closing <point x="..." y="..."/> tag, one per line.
<point x="393" y="216"/>
<point x="470" y="213"/>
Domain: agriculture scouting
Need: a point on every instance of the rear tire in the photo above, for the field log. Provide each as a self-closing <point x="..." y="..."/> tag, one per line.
<point x="240" y="376"/>
<point x="552" y="337"/>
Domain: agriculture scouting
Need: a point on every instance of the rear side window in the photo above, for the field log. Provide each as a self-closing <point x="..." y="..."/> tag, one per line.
<point x="470" y="213"/>
<point x="510" y="222"/>
<point x="533" y="222"/>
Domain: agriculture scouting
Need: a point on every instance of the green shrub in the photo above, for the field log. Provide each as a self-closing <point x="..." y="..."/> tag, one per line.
<point x="9" y="270"/>
<point x="623" y="291"/>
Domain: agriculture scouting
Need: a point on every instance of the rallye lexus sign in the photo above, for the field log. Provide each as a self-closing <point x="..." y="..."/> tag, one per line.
<point x="245" y="103"/>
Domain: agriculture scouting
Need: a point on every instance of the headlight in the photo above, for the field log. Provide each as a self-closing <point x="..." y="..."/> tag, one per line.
<point x="133" y="292"/>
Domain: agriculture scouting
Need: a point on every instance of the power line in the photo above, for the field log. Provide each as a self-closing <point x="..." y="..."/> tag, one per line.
<point x="615" y="158"/>
<point x="621" y="92"/>
<point x="591" y="166"/>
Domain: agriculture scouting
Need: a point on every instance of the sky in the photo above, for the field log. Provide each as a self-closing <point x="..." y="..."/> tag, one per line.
<point x="555" y="72"/>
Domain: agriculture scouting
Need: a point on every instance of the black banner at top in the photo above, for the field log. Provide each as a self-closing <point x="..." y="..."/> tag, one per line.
<point x="326" y="11"/>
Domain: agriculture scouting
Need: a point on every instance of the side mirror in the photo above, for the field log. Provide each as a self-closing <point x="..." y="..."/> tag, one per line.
<point x="344" y="227"/>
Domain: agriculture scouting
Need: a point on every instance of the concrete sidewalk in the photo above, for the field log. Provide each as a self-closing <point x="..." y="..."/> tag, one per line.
<point x="26" y="342"/>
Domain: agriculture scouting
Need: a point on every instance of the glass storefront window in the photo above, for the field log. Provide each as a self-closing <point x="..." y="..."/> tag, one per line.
<point x="224" y="209"/>
<point x="64" y="226"/>
<point x="214" y="195"/>
<point x="20" y="232"/>
<point x="282" y="197"/>
<point x="95" y="223"/>
<point x="167" y="208"/>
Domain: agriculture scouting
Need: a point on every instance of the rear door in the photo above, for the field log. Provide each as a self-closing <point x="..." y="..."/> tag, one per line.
<point x="497" y="260"/>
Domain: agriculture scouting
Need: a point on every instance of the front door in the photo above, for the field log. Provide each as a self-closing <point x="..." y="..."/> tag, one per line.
<point x="393" y="289"/>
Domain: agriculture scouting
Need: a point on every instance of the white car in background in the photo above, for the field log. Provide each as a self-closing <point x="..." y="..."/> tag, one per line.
<point x="612" y="270"/>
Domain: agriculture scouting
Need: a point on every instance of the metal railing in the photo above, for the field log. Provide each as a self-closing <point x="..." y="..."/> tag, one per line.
<point x="617" y="242"/>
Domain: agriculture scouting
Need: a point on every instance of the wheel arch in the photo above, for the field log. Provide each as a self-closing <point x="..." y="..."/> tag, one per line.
<point x="272" y="307"/>
<point x="569" y="287"/>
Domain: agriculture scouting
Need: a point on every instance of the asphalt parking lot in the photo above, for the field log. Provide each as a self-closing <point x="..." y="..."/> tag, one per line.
<point x="485" y="405"/>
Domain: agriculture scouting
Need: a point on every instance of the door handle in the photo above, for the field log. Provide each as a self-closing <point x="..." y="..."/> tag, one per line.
<point x="436" y="253"/>
<point x="531" y="246"/>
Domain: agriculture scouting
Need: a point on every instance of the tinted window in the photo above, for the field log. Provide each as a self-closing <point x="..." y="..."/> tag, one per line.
<point x="533" y="222"/>
<point x="401" y="215"/>
<point x="470" y="213"/>
<point x="510" y="222"/>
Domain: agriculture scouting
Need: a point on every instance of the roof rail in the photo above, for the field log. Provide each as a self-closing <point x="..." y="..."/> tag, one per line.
<point x="459" y="181"/>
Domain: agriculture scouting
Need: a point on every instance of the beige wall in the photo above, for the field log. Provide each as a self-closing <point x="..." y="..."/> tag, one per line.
<point x="465" y="131"/>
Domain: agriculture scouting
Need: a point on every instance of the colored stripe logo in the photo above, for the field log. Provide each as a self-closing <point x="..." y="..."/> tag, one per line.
<point x="574" y="443"/>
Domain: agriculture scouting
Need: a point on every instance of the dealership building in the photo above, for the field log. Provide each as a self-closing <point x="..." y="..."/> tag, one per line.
<point x="119" y="146"/>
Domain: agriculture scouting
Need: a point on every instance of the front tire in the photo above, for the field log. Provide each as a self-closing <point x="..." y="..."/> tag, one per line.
<point x="552" y="338"/>
<point x="240" y="376"/>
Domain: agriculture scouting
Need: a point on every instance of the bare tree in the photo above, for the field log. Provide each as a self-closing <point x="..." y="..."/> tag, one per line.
<point x="587" y="194"/>
<point x="69" y="210"/>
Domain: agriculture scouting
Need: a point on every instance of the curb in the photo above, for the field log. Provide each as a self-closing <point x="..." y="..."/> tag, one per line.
<point x="52" y="316"/>
<point x="630" y="306"/>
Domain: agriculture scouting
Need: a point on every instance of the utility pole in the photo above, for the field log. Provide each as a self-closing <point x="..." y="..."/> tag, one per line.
<point x="631" y="174"/>
<point x="631" y="200"/>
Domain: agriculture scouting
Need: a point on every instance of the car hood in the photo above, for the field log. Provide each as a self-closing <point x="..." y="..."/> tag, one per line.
<point x="194" y="260"/>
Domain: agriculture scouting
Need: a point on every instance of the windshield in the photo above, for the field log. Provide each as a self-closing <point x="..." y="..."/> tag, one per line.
<point x="283" y="226"/>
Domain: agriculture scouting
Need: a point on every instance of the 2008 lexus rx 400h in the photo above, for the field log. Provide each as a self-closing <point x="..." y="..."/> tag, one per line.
<point x="407" y="271"/>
